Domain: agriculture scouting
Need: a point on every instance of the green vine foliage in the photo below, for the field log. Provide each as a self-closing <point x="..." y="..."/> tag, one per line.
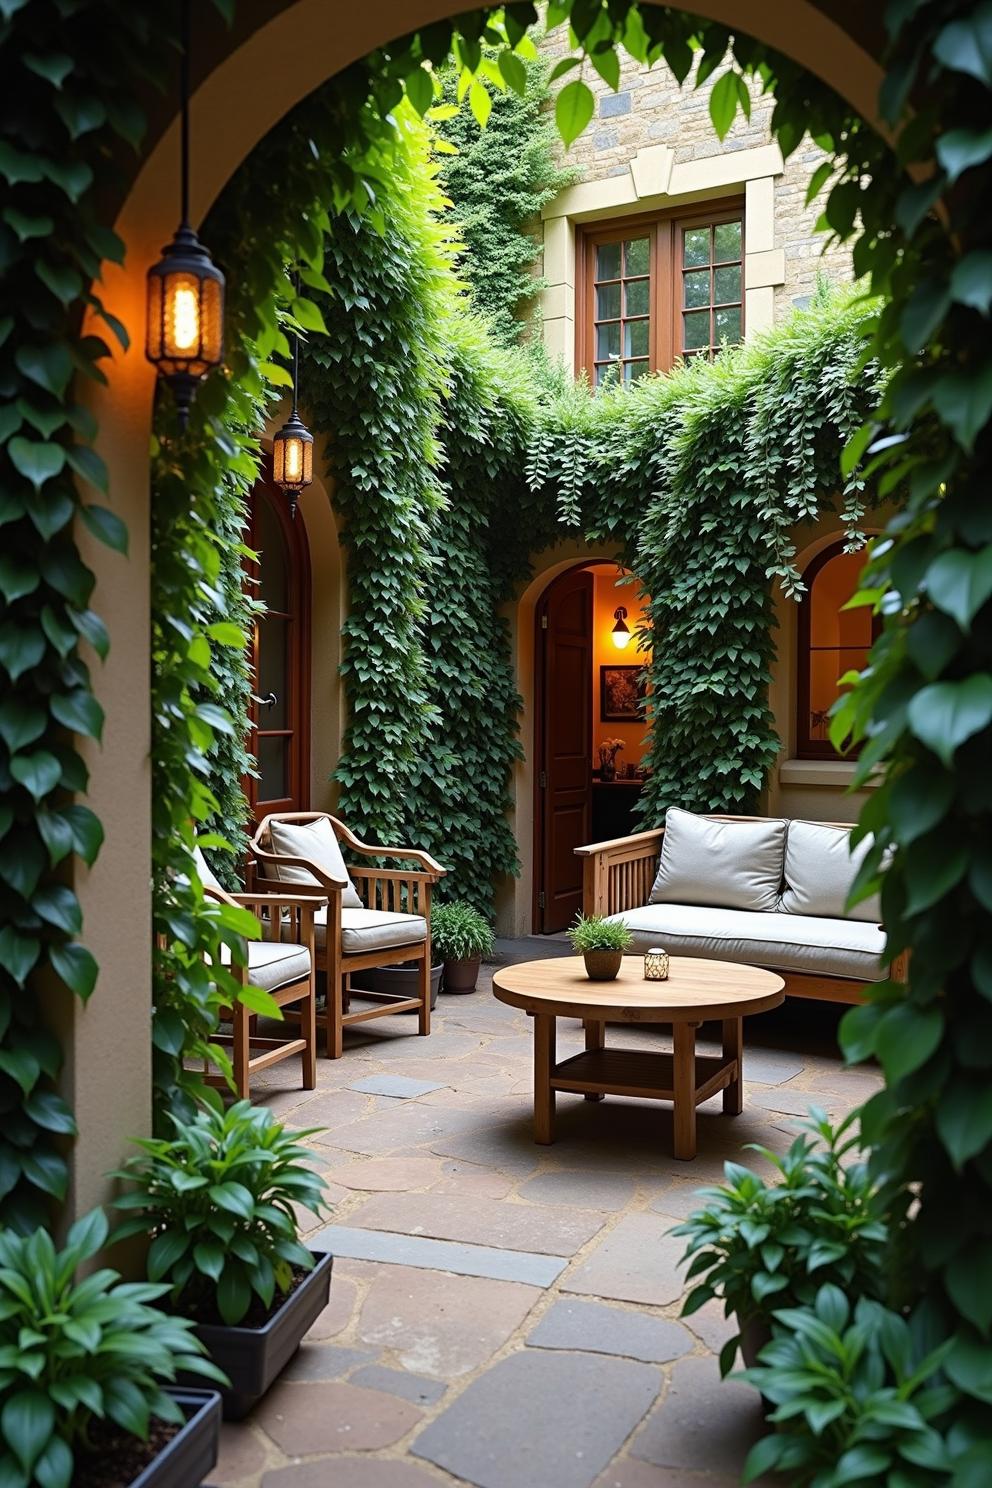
<point x="67" y="74"/>
<point x="498" y="181"/>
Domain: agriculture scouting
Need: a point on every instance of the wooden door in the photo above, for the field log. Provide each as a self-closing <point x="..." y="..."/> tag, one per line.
<point x="564" y="753"/>
<point x="280" y="710"/>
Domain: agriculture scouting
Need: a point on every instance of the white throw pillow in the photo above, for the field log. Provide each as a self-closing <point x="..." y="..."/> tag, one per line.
<point x="730" y="865"/>
<point x="316" y="841"/>
<point x="819" y="871"/>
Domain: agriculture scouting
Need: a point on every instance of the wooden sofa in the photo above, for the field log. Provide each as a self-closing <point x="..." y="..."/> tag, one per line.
<point x="618" y="877"/>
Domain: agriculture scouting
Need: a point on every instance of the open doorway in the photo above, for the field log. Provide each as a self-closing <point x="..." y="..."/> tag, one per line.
<point x="590" y="735"/>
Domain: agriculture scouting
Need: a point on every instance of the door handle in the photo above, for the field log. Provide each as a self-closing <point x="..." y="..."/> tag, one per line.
<point x="267" y="702"/>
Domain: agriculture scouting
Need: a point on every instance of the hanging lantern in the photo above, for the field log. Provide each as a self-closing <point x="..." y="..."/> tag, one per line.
<point x="621" y="631"/>
<point x="292" y="447"/>
<point x="292" y="458"/>
<point x="185" y="335"/>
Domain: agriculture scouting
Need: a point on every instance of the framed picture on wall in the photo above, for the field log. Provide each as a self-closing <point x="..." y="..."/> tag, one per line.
<point x="621" y="691"/>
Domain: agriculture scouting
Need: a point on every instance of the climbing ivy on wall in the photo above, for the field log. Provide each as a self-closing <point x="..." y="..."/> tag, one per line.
<point x="498" y="181"/>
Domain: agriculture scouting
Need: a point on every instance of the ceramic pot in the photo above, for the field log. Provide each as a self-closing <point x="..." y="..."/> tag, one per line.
<point x="602" y="966"/>
<point x="398" y="981"/>
<point x="607" y="772"/>
<point x="462" y="976"/>
<point x="253" y="1358"/>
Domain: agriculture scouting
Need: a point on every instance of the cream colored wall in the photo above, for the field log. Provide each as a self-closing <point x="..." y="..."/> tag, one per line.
<point x="107" y="1073"/>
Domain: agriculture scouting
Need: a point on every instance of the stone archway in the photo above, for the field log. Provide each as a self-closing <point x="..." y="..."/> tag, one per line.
<point x="270" y="63"/>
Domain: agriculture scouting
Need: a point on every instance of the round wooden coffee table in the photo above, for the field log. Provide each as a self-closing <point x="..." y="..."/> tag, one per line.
<point x="696" y="992"/>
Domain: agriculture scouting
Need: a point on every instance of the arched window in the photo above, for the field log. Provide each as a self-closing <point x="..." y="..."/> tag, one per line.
<point x="832" y="641"/>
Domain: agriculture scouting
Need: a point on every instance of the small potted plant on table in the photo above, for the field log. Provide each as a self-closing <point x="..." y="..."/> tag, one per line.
<point x="601" y="943"/>
<point x="86" y="1370"/>
<point x="460" y="936"/>
<point x="216" y="1202"/>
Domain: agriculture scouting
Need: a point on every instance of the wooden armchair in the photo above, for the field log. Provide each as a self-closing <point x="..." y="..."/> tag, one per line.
<point x="284" y="964"/>
<point x="374" y="916"/>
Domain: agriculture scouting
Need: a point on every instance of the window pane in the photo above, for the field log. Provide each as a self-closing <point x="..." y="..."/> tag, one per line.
<point x="607" y="341"/>
<point x="696" y="289"/>
<point x="273" y="559"/>
<point x="633" y="370"/>
<point x="728" y="241"/>
<point x="635" y="256"/>
<point x="273" y="640"/>
<point x="273" y="760"/>
<point x="830" y="624"/>
<point x="825" y="670"/>
<point x="636" y="292"/>
<point x="607" y="374"/>
<point x="608" y="261"/>
<point x="727" y="285"/>
<point x="635" y="338"/>
<point x="728" y="326"/>
<point x="696" y="247"/>
<point x="696" y="330"/>
<point x="608" y="302"/>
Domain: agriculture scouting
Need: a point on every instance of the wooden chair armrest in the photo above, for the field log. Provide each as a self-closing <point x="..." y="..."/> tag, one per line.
<point x="411" y="854"/>
<point x="280" y="901"/>
<point x="651" y="839"/>
<point x="328" y="884"/>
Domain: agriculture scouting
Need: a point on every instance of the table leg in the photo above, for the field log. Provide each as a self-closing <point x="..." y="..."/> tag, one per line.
<point x="684" y="1037"/>
<point x="733" y="1048"/>
<point x="544" y="1063"/>
<point x="595" y="1039"/>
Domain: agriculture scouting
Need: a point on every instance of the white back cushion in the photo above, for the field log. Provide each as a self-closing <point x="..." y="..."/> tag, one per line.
<point x="317" y="842"/>
<point x="205" y="873"/>
<point x="819" y="871"/>
<point x="731" y="865"/>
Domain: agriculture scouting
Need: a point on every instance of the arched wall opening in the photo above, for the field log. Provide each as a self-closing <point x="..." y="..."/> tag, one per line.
<point x="270" y="66"/>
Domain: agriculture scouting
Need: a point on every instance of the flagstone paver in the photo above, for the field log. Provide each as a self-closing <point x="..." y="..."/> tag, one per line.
<point x="417" y="1377"/>
<point x="542" y="1419"/>
<point x="596" y="1329"/>
<point x="442" y="1255"/>
<point x="479" y="1221"/>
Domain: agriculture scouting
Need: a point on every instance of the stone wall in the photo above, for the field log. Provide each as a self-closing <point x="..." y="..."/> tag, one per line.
<point x="651" y="109"/>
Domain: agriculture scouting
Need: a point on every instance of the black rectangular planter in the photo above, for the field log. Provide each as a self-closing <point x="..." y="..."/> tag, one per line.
<point x="192" y="1452"/>
<point x="253" y="1358"/>
<point x="398" y="981"/>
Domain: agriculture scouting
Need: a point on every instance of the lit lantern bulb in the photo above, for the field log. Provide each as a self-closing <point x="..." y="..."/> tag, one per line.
<point x="621" y="631"/>
<point x="185" y="319"/>
<point x="294" y="459"/>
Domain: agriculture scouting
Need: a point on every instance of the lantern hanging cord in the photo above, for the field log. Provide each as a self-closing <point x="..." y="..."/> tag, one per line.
<point x="296" y="348"/>
<point x="184" y="97"/>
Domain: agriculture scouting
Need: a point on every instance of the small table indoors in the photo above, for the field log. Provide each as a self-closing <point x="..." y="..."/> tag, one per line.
<point x="695" y="992"/>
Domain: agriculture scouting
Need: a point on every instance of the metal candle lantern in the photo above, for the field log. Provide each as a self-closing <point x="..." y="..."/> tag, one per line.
<point x="656" y="965"/>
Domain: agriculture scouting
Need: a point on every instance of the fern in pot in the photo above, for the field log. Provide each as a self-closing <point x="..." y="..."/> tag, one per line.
<point x="460" y="936"/>
<point x="601" y="944"/>
<point x="218" y="1204"/>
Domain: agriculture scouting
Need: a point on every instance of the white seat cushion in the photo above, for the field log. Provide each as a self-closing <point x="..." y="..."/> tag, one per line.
<point x="317" y="842"/>
<point x="730" y="864"/>
<point x="779" y="942"/>
<point x="820" y="869"/>
<point x="273" y="964"/>
<point x="206" y="874"/>
<point x="371" y="930"/>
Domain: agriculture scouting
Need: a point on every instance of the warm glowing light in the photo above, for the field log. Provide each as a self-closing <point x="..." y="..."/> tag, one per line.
<point x="621" y="631"/>
<point x="294" y="459"/>
<point x="185" y="319"/>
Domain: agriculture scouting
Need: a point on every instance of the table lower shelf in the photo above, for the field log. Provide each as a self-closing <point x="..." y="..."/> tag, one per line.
<point x="639" y="1073"/>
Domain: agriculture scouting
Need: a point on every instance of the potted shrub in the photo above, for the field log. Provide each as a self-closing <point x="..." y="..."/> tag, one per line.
<point x="461" y="936"/>
<point x="601" y="943"/>
<point x="85" y="1370"/>
<point x="216" y="1202"/>
<point x="762" y="1246"/>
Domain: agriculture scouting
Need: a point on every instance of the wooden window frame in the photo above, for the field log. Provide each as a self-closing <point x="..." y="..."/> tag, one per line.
<point x="808" y="748"/>
<point x="665" y="275"/>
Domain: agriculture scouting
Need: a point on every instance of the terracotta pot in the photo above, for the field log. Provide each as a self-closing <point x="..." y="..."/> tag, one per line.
<point x="602" y="966"/>
<point x="462" y="976"/>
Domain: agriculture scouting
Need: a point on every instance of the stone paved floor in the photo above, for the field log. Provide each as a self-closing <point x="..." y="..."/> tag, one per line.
<point x="502" y="1314"/>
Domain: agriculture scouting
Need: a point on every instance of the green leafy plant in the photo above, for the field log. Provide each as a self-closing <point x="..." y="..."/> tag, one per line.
<point x="760" y="1245"/>
<point x="78" y="1355"/>
<point x="458" y="932"/>
<point x="858" y="1399"/>
<point x="595" y="933"/>
<point x="216" y="1201"/>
